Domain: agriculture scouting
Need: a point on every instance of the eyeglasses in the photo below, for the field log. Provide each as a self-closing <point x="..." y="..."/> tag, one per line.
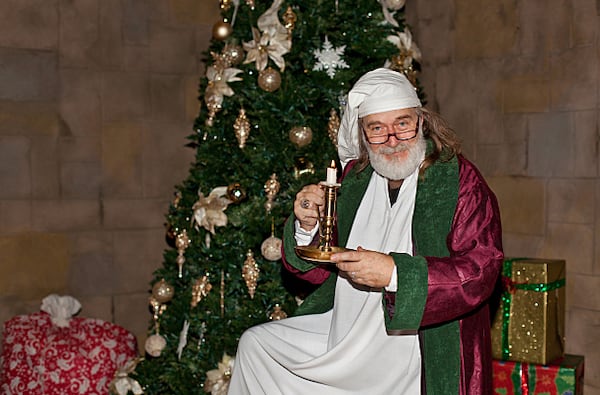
<point x="403" y="129"/>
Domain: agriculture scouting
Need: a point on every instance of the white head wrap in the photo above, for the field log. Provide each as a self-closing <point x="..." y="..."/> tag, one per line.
<point x="377" y="91"/>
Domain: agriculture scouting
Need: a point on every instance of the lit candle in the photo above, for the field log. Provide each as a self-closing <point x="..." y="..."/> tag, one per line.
<point x="331" y="174"/>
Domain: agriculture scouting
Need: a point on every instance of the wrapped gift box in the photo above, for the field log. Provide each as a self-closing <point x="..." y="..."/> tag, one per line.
<point x="561" y="377"/>
<point x="529" y="324"/>
<point x="43" y="356"/>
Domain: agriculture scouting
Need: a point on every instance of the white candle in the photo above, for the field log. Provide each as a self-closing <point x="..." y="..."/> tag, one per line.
<point x="331" y="174"/>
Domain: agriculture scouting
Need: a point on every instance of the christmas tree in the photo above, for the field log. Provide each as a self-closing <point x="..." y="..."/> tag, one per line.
<point x="276" y="79"/>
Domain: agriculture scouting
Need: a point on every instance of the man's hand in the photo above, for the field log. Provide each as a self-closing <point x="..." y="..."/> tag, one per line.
<point x="365" y="267"/>
<point x="308" y="203"/>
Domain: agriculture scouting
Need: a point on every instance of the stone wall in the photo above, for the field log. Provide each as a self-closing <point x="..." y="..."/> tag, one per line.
<point x="518" y="80"/>
<point x="98" y="95"/>
<point x="97" y="98"/>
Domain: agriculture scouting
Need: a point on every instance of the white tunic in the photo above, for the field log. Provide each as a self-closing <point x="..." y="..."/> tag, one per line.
<point x="347" y="349"/>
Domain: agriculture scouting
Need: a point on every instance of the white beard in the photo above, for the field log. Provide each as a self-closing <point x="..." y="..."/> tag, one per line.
<point x="394" y="169"/>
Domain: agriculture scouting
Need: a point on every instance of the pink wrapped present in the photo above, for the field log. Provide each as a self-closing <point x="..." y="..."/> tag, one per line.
<point x="50" y="353"/>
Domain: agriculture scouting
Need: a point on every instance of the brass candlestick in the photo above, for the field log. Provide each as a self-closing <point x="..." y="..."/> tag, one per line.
<point x="327" y="218"/>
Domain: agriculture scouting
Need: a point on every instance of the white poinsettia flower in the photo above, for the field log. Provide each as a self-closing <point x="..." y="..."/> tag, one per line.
<point x="256" y="50"/>
<point x="218" y="80"/>
<point x="209" y="210"/>
<point x="404" y="42"/>
<point x="217" y="380"/>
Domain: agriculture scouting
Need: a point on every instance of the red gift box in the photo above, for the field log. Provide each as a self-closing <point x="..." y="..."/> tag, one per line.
<point x="561" y="377"/>
<point x="41" y="358"/>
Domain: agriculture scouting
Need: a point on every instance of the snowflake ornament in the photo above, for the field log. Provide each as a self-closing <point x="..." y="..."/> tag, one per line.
<point x="330" y="58"/>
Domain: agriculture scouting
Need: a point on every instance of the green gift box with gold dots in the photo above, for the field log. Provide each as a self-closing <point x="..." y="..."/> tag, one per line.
<point x="529" y="324"/>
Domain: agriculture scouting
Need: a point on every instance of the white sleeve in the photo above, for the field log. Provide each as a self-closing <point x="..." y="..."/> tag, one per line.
<point x="304" y="237"/>
<point x="393" y="285"/>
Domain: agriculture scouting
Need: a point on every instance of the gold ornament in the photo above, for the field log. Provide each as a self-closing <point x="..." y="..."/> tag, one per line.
<point x="289" y="19"/>
<point x="182" y="242"/>
<point x="271" y="188"/>
<point x="269" y="79"/>
<point x="333" y="126"/>
<point x="235" y="192"/>
<point x="301" y="136"/>
<point x="234" y="53"/>
<point x="217" y="380"/>
<point x="200" y="290"/>
<point x="242" y="128"/>
<point x="250" y="273"/>
<point x="221" y="30"/>
<point x="277" y="313"/>
<point x="213" y="104"/>
<point x="225" y="4"/>
<point x="271" y="246"/>
<point x="162" y="291"/>
<point x="176" y="199"/>
<point x="303" y="166"/>
<point x="155" y="344"/>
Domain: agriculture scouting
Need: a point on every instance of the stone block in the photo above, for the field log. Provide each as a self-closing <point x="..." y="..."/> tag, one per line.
<point x="81" y="102"/>
<point x="522" y="204"/>
<point x="29" y="118"/>
<point x="28" y="75"/>
<point x="517" y="244"/>
<point x="80" y="149"/>
<point x="502" y="159"/>
<point x="550" y="153"/>
<point x="29" y="24"/>
<point x="122" y="160"/>
<point x="525" y="96"/>
<point x="45" y="167"/>
<point x="99" y="307"/>
<point x="573" y="95"/>
<point x="543" y="26"/>
<point x="79" y="33"/>
<point x="108" y="50"/>
<point x="15" y="216"/>
<point x="125" y="96"/>
<point x="584" y="22"/>
<point x="484" y="29"/>
<point x="15" y="167"/>
<point x="167" y="98"/>
<point x="573" y="243"/>
<point x="137" y="254"/>
<point x="166" y="159"/>
<point x="33" y="265"/>
<point x="571" y="201"/>
<point x="66" y="215"/>
<point x="193" y="12"/>
<point x="80" y="180"/>
<point x="137" y="58"/>
<point x="173" y="50"/>
<point x="134" y="213"/>
<point x="132" y="312"/>
<point x="586" y="158"/>
<point x="135" y="22"/>
<point x="192" y="106"/>
<point x="92" y="272"/>
<point x="582" y="339"/>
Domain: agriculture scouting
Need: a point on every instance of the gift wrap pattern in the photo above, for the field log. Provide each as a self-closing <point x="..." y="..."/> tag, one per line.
<point x="561" y="377"/>
<point x="41" y="358"/>
<point x="529" y="325"/>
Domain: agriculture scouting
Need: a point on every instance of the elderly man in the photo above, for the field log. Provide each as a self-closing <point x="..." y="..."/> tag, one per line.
<point x="404" y="311"/>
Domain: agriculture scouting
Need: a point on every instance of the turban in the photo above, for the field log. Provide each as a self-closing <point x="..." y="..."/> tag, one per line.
<point x="377" y="91"/>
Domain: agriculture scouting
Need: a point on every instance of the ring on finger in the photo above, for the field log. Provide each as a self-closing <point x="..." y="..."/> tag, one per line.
<point x="305" y="203"/>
